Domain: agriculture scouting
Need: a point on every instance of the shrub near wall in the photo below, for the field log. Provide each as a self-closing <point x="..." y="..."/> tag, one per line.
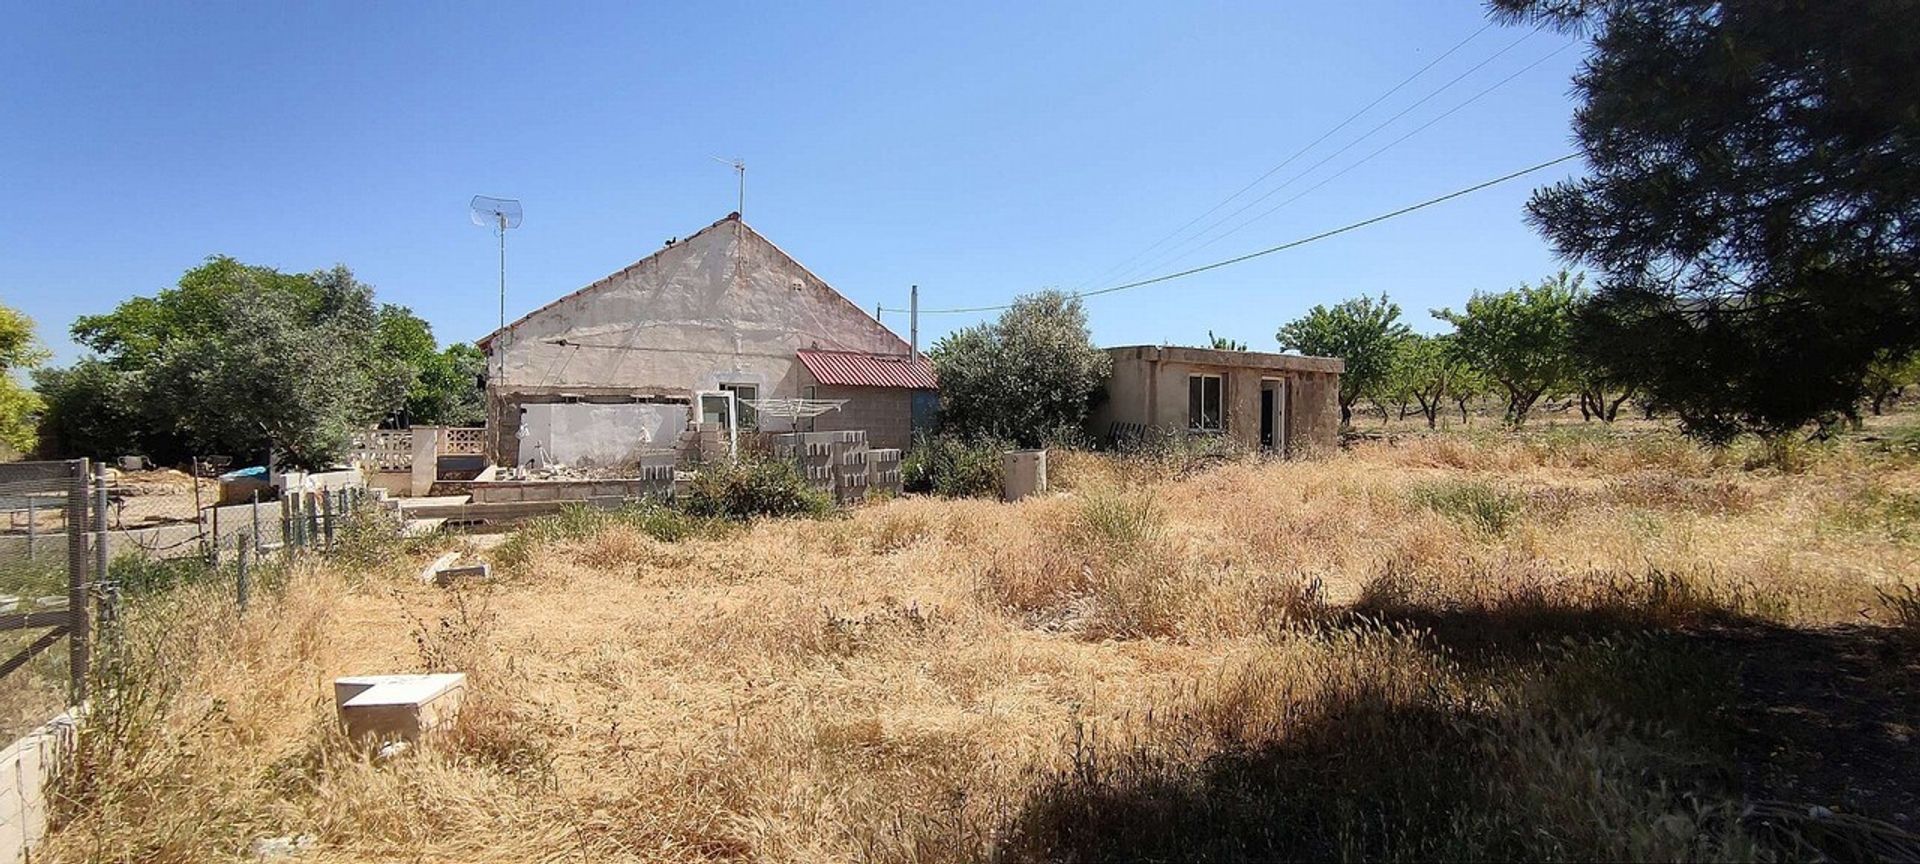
<point x="753" y="486"/>
<point x="954" y="467"/>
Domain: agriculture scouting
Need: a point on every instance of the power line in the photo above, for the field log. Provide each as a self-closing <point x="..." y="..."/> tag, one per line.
<point x="1296" y="154"/>
<point x="1369" y="157"/>
<point x="1175" y="255"/>
<point x="1282" y="247"/>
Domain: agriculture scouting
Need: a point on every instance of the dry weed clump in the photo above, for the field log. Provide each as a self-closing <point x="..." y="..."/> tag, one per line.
<point x="1462" y="646"/>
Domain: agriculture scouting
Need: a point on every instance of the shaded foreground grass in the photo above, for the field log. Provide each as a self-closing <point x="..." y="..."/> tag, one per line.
<point x="1455" y="647"/>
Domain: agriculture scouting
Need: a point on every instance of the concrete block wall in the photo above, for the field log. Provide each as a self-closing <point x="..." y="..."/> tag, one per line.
<point x="884" y="413"/>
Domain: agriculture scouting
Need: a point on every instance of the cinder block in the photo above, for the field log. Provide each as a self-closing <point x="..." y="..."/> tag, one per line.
<point x="397" y="707"/>
<point x="446" y="576"/>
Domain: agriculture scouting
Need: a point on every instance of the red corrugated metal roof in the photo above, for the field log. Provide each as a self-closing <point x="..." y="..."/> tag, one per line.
<point x="853" y="369"/>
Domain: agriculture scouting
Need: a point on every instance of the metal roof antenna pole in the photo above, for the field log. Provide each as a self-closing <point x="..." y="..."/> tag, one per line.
<point x="913" y="322"/>
<point x="739" y="167"/>
<point x="498" y="214"/>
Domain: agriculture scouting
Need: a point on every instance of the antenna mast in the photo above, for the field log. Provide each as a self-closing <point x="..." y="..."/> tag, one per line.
<point x="498" y="214"/>
<point x="739" y="167"/>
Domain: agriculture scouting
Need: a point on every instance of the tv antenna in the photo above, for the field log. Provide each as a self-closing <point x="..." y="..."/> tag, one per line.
<point x="739" y="167"/>
<point x="498" y="214"/>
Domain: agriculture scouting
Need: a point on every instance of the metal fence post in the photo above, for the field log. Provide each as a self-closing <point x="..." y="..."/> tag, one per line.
<point x="33" y="527"/>
<point x="213" y="548"/>
<point x="78" y="621"/>
<point x="240" y="564"/>
<point x="108" y="590"/>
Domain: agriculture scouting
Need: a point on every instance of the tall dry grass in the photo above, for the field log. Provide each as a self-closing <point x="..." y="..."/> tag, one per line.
<point x="1463" y="646"/>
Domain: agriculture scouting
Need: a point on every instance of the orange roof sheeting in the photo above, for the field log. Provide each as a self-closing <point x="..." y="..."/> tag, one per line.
<point x="857" y="369"/>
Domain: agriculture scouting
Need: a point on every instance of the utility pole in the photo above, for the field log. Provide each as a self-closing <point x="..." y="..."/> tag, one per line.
<point x="913" y="322"/>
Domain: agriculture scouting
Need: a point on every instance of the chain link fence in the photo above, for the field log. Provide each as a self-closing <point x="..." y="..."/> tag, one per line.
<point x="48" y="557"/>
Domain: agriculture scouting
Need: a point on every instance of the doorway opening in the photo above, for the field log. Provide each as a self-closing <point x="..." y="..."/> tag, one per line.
<point x="1273" y="414"/>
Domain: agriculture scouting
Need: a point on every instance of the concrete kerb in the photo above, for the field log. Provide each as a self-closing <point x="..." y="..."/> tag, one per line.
<point x="27" y="767"/>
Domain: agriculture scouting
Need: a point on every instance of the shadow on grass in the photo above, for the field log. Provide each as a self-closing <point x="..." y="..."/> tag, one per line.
<point x="1635" y="722"/>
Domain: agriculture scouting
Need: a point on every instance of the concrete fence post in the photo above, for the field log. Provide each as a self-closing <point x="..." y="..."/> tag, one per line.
<point x="426" y="458"/>
<point x="326" y="517"/>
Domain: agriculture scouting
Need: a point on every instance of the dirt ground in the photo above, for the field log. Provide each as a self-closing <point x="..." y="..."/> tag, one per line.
<point x="1576" y="643"/>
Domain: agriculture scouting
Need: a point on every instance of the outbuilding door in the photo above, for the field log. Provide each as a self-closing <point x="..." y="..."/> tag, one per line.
<point x="1273" y="414"/>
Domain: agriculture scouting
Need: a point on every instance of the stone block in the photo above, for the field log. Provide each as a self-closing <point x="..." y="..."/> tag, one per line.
<point x="397" y="707"/>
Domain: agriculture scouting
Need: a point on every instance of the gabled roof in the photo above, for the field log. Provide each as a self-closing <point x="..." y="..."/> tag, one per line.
<point x="857" y="369"/>
<point x="730" y="218"/>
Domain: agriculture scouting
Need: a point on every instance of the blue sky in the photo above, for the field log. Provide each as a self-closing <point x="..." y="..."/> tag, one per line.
<point x="977" y="152"/>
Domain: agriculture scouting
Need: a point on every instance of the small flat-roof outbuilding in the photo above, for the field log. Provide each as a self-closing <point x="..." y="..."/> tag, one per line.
<point x="1280" y="402"/>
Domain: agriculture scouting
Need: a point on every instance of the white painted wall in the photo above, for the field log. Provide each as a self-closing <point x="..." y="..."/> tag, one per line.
<point x="722" y="306"/>
<point x="586" y="434"/>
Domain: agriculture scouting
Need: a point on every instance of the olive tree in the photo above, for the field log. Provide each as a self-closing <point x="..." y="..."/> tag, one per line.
<point x="1026" y="377"/>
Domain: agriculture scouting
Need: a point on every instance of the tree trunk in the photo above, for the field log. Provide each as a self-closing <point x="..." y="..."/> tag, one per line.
<point x="1613" y="410"/>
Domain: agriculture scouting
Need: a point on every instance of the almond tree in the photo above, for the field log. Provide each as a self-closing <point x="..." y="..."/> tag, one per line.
<point x="1520" y="339"/>
<point x="1362" y="331"/>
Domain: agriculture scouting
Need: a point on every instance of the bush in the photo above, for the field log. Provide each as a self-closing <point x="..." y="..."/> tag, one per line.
<point x="754" y="486"/>
<point x="954" y="467"/>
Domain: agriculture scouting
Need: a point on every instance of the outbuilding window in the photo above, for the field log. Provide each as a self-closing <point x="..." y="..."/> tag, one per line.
<point x="1206" y="407"/>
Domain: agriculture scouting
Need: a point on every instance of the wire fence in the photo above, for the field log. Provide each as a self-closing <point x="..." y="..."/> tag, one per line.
<point x="47" y="559"/>
<point x="77" y="534"/>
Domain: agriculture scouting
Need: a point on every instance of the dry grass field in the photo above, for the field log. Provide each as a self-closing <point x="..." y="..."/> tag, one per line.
<point x="1569" y="644"/>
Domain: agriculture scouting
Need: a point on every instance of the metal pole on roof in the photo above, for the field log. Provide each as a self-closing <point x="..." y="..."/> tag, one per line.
<point x="913" y="322"/>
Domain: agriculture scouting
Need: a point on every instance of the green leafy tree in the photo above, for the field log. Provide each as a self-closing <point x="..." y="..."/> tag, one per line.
<point x="449" y="389"/>
<point x="19" y="406"/>
<point x="1752" y="201"/>
<point x="1888" y="376"/>
<point x="1601" y="390"/>
<point x="1363" y="331"/>
<point x="236" y="359"/>
<point x="443" y="387"/>
<point x="94" y="409"/>
<point x="1026" y="377"/>
<point x="1425" y="372"/>
<point x="1222" y="343"/>
<point x="1521" y="339"/>
<point x="1467" y="385"/>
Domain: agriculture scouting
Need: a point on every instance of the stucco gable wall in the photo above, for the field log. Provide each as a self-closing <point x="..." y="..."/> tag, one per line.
<point x="723" y="305"/>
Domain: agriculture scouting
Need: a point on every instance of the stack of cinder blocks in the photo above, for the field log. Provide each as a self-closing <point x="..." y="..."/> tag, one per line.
<point x="883" y="471"/>
<point x="840" y="463"/>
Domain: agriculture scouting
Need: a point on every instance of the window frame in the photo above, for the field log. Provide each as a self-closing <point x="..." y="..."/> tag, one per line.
<point x="1199" y="424"/>
<point x="744" y="415"/>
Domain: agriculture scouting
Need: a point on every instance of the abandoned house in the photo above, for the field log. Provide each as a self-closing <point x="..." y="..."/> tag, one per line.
<point x="712" y="330"/>
<point x="1284" y="403"/>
